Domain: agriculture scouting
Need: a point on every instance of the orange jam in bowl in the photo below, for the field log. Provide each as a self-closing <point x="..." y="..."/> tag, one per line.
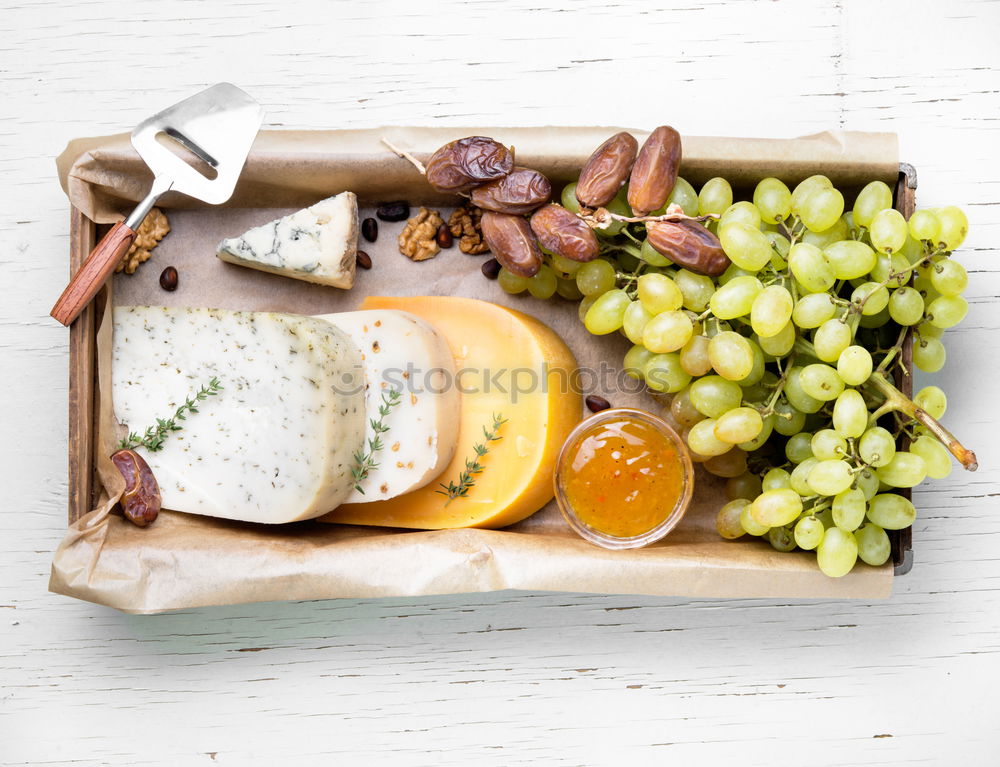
<point x="623" y="479"/>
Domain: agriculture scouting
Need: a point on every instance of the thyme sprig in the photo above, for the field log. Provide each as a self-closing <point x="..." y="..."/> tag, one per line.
<point x="473" y="466"/>
<point x="364" y="459"/>
<point x="152" y="438"/>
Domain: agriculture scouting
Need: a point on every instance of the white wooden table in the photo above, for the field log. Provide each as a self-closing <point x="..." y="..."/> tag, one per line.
<point x="507" y="678"/>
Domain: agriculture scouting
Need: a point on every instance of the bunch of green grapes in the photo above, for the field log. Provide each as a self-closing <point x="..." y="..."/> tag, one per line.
<point x="779" y="368"/>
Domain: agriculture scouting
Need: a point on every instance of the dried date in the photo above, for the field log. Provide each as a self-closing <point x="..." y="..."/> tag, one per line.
<point x="606" y="170"/>
<point x="141" y="499"/>
<point x="655" y="171"/>
<point x="560" y="231"/>
<point x="512" y="242"/>
<point x="459" y="166"/>
<point x="689" y="245"/>
<point x="520" y="191"/>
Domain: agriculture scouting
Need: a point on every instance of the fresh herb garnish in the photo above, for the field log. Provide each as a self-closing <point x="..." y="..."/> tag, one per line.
<point x="467" y="479"/>
<point x="152" y="438"/>
<point x="364" y="460"/>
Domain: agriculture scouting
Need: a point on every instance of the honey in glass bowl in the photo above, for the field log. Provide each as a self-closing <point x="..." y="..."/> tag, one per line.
<point x="623" y="478"/>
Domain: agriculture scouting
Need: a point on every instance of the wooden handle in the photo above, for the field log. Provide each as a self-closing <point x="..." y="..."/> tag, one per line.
<point x="95" y="270"/>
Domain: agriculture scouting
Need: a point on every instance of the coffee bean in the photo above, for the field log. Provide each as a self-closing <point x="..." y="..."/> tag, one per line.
<point x="369" y="229"/>
<point x="491" y="269"/>
<point x="398" y="210"/>
<point x="596" y="404"/>
<point x="364" y="260"/>
<point x="168" y="279"/>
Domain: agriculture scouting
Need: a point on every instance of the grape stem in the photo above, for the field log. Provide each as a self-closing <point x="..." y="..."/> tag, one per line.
<point x="602" y="217"/>
<point x="890" y="355"/>
<point x="895" y="400"/>
<point x="778" y="388"/>
<point x="898" y="277"/>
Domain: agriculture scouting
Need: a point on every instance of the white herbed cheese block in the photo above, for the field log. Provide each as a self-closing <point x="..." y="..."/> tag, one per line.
<point x="277" y="442"/>
<point x="318" y="244"/>
<point x="403" y="353"/>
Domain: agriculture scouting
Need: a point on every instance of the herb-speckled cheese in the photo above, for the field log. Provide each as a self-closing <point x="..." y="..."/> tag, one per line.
<point x="318" y="244"/>
<point x="276" y="444"/>
<point x="403" y="353"/>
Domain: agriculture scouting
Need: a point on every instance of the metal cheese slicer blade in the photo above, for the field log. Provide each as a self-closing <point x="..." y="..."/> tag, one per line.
<point x="217" y="127"/>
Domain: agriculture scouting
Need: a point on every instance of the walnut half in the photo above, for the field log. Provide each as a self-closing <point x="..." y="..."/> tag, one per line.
<point x="418" y="240"/>
<point x="152" y="229"/>
<point x="466" y="228"/>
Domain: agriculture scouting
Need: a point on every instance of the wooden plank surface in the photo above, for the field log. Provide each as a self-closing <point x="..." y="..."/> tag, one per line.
<point x="502" y="678"/>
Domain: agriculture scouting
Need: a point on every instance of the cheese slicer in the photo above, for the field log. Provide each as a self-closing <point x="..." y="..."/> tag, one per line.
<point x="218" y="126"/>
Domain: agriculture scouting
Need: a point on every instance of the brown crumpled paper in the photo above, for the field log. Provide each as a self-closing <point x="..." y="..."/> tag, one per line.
<point x="184" y="560"/>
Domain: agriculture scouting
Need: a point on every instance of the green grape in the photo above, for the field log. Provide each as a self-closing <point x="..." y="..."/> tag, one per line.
<point x="875" y="320"/>
<point x="807" y="187"/>
<point x="932" y="400"/>
<point x="797" y="396"/>
<point x="731" y="355"/>
<point x="658" y="293"/>
<point x="759" y="391"/>
<point x="757" y="442"/>
<point x="771" y="310"/>
<point x="715" y="197"/>
<point x="831" y="338"/>
<point x="776" y="508"/>
<point x="730" y="464"/>
<point x="684" y="195"/>
<point x="813" y="310"/>
<point x="780" y="245"/>
<point x="811" y="268"/>
<point x="877" y="447"/>
<point x="702" y="440"/>
<point x="871" y="297"/>
<point x="809" y="532"/>
<point x="874" y="547"/>
<point x="926" y="330"/>
<point x="663" y="373"/>
<point x="781" y="343"/>
<point x="773" y="199"/>
<point x="954" y="227"/>
<point x="667" y="332"/>
<point x="746" y="487"/>
<point x="652" y="256"/>
<point x="694" y="356"/>
<point x="543" y="285"/>
<point x="607" y="313"/>
<point x="793" y="423"/>
<point x="568" y="198"/>
<point x="634" y="322"/>
<point x="735" y="298"/>
<point x="830" y="477"/>
<point x="628" y="263"/>
<point x="584" y="307"/>
<point x="739" y="425"/>
<point x="867" y="483"/>
<point x="904" y="470"/>
<point x="821" y="382"/>
<point x="850" y="414"/>
<point x="713" y="396"/>
<point x="799" y="447"/>
<point x="757" y="368"/>
<point x="891" y="512"/>
<point x="887" y="265"/>
<point x="567" y="289"/>
<point x="839" y="231"/>
<point x="731" y="273"/>
<point x="619" y="206"/>
<point x="906" y="306"/>
<point x="781" y="539"/>
<point x="949" y="278"/>
<point x="751" y="525"/>
<point x="854" y="365"/>
<point x="696" y="289"/>
<point x="929" y="355"/>
<point x="821" y="209"/>
<point x="850" y="259"/>
<point x="746" y="246"/>
<point x="635" y="361"/>
<point x="872" y="200"/>
<point x="564" y="267"/>
<point x="683" y="410"/>
<point x="924" y="225"/>
<point x="888" y="231"/>
<point x="912" y="250"/>
<point x="512" y="283"/>
<point x="849" y="508"/>
<point x="935" y="455"/>
<point x="774" y="479"/>
<point x="744" y="212"/>
<point x="827" y="444"/>
<point x="596" y="277"/>
<point x="799" y="479"/>
<point x="837" y="553"/>
<point x="727" y="521"/>
<point x="947" y="311"/>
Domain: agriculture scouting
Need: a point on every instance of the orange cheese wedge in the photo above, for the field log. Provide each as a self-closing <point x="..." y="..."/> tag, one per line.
<point x="508" y="365"/>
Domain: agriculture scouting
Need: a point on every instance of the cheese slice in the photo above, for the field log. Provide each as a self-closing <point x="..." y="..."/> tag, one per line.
<point x="277" y="442"/>
<point x="318" y="244"/>
<point x="407" y="362"/>
<point x="508" y="365"/>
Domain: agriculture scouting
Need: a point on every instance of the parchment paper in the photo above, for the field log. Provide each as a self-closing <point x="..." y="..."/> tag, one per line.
<point x="184" y="560"/>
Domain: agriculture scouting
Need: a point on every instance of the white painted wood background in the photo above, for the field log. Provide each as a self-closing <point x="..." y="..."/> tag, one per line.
<point x="507" y="678"/>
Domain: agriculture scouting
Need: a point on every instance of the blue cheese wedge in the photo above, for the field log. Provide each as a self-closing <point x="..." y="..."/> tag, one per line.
<point x="277" y="443"/>
<point x="318" y="244"/>
<point x="408" y="362"/>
